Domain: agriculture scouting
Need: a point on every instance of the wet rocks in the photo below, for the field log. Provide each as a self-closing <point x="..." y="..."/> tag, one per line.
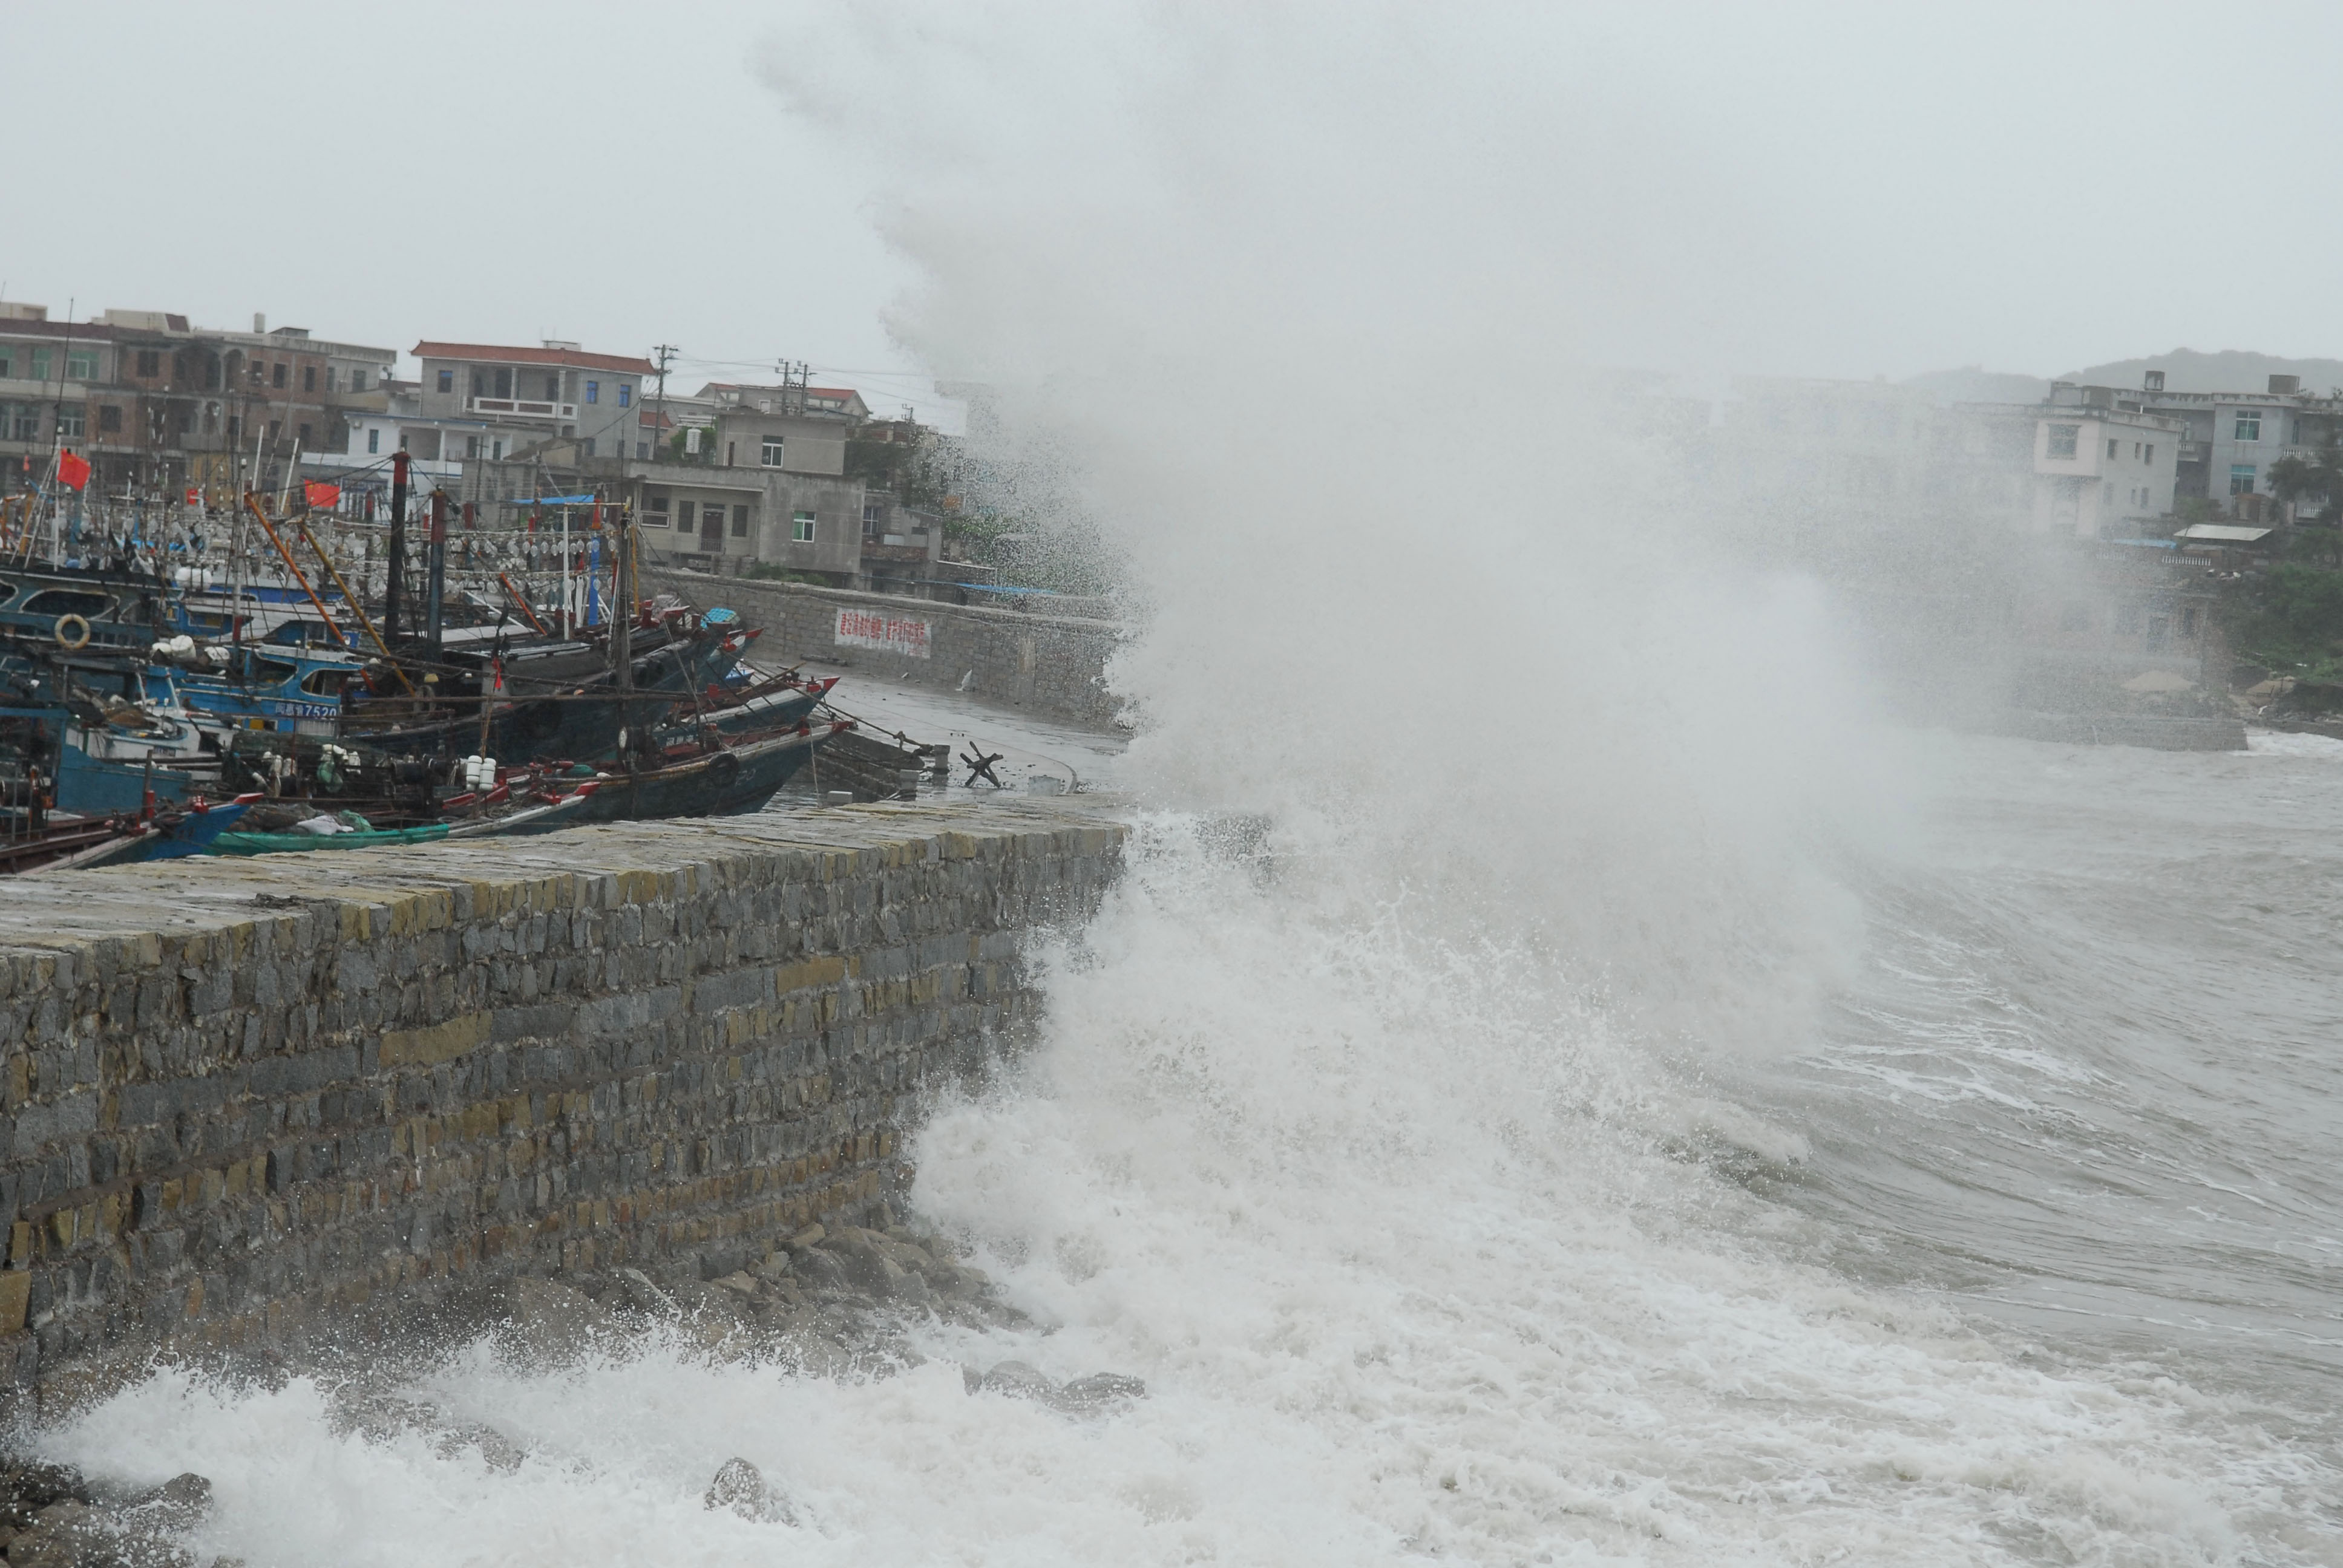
<point x="26" y="1488"/>
<point x="1083" y="1396"/>
<point x="741" y="1487"/>
<point x="51" y="1518"/>
<point x="543" y="1322"/>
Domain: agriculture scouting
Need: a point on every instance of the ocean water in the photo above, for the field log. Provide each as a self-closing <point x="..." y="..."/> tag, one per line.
<point x="1633" y="1108"/>
<point x="1428" y="1251"/>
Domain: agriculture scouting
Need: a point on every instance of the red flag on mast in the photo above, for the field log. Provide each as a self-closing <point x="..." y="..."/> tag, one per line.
<point x="72" y="471"/>
<point x="320" y="495"/>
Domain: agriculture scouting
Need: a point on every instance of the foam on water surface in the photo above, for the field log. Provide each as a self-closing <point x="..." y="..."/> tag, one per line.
<point x="1452" y="1169"/>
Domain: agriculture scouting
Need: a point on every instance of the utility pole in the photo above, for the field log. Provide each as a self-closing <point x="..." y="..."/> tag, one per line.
<point x="392" y="591"/>
<point x="794" y="374"/>
<point x="666" y="351"/>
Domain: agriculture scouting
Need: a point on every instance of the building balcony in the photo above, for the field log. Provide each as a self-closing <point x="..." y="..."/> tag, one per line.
<point x="522" y="407"/>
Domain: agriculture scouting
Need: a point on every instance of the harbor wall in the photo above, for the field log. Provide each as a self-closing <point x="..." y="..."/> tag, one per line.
<point x="244" y="1098"/>
<point x="1053" y="664"/>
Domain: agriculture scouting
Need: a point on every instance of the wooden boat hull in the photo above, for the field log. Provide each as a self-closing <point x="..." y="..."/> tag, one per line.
<point x="742" y="778"/>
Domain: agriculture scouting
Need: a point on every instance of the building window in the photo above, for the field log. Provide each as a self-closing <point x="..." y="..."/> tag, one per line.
<point x="308" y="378"/>
<point x="625" y="394"/>
<point x="72" y="421"/>
<point x="553" y="388"/>
<point x="772" y="451"/>
<point x="7" y="365"/>
<point x="2151" y="454"/>
<point x="643" y="451"/>
<point x="40" y="364"/>
<point x="739" y="522"/>
<point x="593" y="391"/>
<point x="471" y="445"/>
<point x="373" y="439"/>
<point x="684" y="512"/>
<point x="330" y="376"/>
<point x="276" y="431"/>
<point x="278" y="378"/>
<point x="359" y="379"/>
<point x="235" y="429"/>
<point x="2062" y="440"/>
<point x="2249" y="424"/>
<point x="656" y="516"/>
<point x="81" y="363"/>
<point x="496" y="450"/>
<point x="150" y="363"/>
<point x="109" y="419"/>
<point x="2115" y="450"/>
<point x="446" y="381"/>
<point x="870" y="519"/>
<point x="211" y="375"/>
<point x="304" y="435"/>
<point x="2241" y="478"/>
<point x="24" y="422"/>
<point x="731" y="453"/>
<point x="801" y="528"/>
<point x="479" y="388"/>
<point x="504" y="383"/>
<point x="590" y="446"/>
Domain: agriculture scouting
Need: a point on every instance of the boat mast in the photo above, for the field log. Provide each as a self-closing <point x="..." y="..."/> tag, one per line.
<point x="436" y="566"/>
<point x="391" y="591"/>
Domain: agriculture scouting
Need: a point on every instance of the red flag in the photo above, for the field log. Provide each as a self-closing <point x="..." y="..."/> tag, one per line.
<point x="194" y="496"/>
<point x="322" y="495"/>
<point x="72" y="472"/>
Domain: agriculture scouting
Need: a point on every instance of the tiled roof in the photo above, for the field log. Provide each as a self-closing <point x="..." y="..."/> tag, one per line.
<point x="495" y="354"/>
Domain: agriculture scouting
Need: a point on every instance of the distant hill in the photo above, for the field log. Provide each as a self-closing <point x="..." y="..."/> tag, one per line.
<point x="2230" y="371"/>
<point x="1974" y="384"/>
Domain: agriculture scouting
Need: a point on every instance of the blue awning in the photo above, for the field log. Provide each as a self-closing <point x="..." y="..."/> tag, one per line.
<point x="551" y="500"/>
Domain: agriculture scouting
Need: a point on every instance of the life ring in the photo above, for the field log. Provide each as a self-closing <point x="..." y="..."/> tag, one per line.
<point x="71" y="631"/>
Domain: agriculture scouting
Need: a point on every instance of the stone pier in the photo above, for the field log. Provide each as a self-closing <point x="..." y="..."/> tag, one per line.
<point x="243" y="1096"/>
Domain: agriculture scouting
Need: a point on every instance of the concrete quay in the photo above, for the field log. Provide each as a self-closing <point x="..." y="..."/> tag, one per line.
<point x="246" y="1097"/>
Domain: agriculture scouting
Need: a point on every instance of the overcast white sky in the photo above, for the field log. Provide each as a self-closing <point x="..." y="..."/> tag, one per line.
<point x="2031" y="187"/>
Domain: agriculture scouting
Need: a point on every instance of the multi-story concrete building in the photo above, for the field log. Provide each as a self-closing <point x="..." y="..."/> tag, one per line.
<point x="2101" y="471"/>
<point x="2229" y="440"/>
<point x="765" y="483"/>
<point x="154" y="403"/>
<point x="523" y="397"/>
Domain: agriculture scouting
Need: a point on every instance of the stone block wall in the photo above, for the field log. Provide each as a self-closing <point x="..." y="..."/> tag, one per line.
<point x="1053" y="665"/>
<point x="241" y="1096"/>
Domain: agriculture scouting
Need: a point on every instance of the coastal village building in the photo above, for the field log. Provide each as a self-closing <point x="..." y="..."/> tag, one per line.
<point x="766" y="483"/>
<point x="2229" y="440"/>
<point x="555" y="391"/>
<point x="2103" y="470"/>
<point x="161" y="407"/>
<point x="155" y="404"/>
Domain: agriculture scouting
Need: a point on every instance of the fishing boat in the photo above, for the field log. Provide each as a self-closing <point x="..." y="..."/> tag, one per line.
<point x="724" y="777"/>
<point x="532" y="814"/>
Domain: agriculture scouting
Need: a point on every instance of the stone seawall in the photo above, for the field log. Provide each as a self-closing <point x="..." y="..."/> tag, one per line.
<point x="1054" y="664"/>
<point x="244" y="1096"/>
